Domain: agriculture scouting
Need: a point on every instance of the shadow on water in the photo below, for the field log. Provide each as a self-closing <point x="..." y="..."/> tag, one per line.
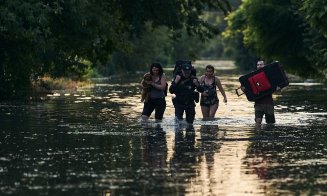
<point x="92" y="143"/>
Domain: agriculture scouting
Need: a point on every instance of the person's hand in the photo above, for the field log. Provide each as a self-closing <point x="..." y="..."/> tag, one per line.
<point x="177" y="78"/>
<point x="243" y="88"/>
<point x="225" y="100"/>
<point x="195" y="82"/>
<point x="278" y="88"/>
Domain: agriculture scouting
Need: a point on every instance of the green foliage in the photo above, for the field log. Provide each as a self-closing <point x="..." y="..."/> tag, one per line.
<point x="174" y="14"/>
<point x="315" y="37"/>
<point x="276" y="30"/>
<point x="315" y="12"/>
<point x="244" y="55"/>
<point x="39" y="38"/>
<point x="55" y="37"/>
<point x="187" y="47"/>
<point x="153" y="46"/>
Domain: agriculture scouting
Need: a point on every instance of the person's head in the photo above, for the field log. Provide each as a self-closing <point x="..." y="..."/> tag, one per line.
<point x="209" y="70"/>
<point x="260" y="64"/>
<point x="156" y="69"/>
<point x="186" y="70"/>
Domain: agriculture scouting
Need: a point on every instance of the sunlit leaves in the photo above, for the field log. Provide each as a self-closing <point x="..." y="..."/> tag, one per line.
<point x="276" y="31"/>
<point x="316" y="14"/>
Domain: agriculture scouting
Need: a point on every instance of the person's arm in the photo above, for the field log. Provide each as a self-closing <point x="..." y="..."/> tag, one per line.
<point x="201" y="80"/>
<point x="162" y="84"/>
<point x="198" y="87"/>
<point x="278" y="90"/>
<point x="221" y="89"/>
<point x="174" y="83"/>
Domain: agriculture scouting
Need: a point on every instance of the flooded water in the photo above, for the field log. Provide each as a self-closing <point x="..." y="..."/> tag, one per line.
<point x="92" y="143"/>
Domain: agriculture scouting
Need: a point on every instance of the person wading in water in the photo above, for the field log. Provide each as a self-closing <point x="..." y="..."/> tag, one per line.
<point x="209" y="98"/>
<point x="156" y="99"/>
<point x="183" y="86"/>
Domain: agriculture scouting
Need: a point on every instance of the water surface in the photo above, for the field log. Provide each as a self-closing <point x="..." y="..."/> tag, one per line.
<point x="93" y="143"/>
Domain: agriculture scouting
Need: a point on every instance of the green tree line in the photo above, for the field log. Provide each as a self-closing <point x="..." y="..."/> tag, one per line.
<point x="64" y="38"/>
<point x="291" y="31"/>
<point x="59" y="38"/>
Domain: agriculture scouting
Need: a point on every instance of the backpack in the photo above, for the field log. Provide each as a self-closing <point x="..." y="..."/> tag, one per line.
<point x="259" y="83"/>
<point x="178" y="68"/>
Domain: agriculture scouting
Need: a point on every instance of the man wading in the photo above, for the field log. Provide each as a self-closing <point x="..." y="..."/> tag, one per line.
<point x="183" y="86"/>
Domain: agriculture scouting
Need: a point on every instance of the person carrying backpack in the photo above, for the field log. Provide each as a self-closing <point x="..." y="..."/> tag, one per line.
<point x="265" y="105"/>
<point x="183" y="86"/>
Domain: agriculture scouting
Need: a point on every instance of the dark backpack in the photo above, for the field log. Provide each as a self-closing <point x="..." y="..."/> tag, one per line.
<point x="178" y="68"/>
<point x="259" y="83"/>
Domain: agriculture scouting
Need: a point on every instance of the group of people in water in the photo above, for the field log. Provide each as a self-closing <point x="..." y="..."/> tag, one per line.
<point x="188" y="90"/>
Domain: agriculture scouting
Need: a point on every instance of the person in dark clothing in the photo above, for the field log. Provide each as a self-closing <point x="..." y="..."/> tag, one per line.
<point x="265" y="105"/>
<point x="183" y="86"/>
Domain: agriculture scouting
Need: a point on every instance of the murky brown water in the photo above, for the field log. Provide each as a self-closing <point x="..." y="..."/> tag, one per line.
<point x="92" y="143"/>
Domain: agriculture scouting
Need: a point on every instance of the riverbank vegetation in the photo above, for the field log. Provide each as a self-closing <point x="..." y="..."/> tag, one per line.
<point x="81" y="39"/>
<point x="293" y="32"/>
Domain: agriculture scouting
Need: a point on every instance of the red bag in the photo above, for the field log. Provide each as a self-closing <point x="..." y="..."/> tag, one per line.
<point x="259" y="82"/>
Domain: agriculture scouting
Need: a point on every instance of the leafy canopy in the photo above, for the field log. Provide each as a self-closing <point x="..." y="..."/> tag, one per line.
<point x="57" y="37"/>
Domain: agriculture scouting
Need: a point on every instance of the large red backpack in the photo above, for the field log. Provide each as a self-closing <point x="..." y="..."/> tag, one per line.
<point x="259" y="83"/>
<point x="263" y="82"/>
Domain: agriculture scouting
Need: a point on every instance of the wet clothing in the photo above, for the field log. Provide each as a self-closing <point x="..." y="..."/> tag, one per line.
<point x="265" y="107"/>
<point x="156" y="93"/>
<point x="155" y="103"/>
<point x="265" y="100"/>
<point x="185" y="97"/>
<point x="211" y="90"/>
<point x="159" y="105"/>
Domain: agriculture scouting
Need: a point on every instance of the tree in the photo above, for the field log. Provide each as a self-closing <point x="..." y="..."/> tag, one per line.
<point x="52" y="37"/>
<point x="315" y="13"/>
<point x="277" y="30"/>
<point x="56" y="37"/>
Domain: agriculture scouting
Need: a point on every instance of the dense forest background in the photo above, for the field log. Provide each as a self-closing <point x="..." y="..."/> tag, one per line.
<point x="87" y="38"/>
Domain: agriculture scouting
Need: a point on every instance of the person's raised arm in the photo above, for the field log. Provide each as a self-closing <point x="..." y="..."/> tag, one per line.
<point x="196" y="82"/>
<point x="173" y="86"/>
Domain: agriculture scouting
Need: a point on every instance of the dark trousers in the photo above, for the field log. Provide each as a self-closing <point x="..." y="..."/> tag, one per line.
<point x="159" y="105"/>
<point x="189" y="111"/>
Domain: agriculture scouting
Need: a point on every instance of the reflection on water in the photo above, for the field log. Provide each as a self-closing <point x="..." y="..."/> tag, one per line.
<point x="92" y="143"/>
